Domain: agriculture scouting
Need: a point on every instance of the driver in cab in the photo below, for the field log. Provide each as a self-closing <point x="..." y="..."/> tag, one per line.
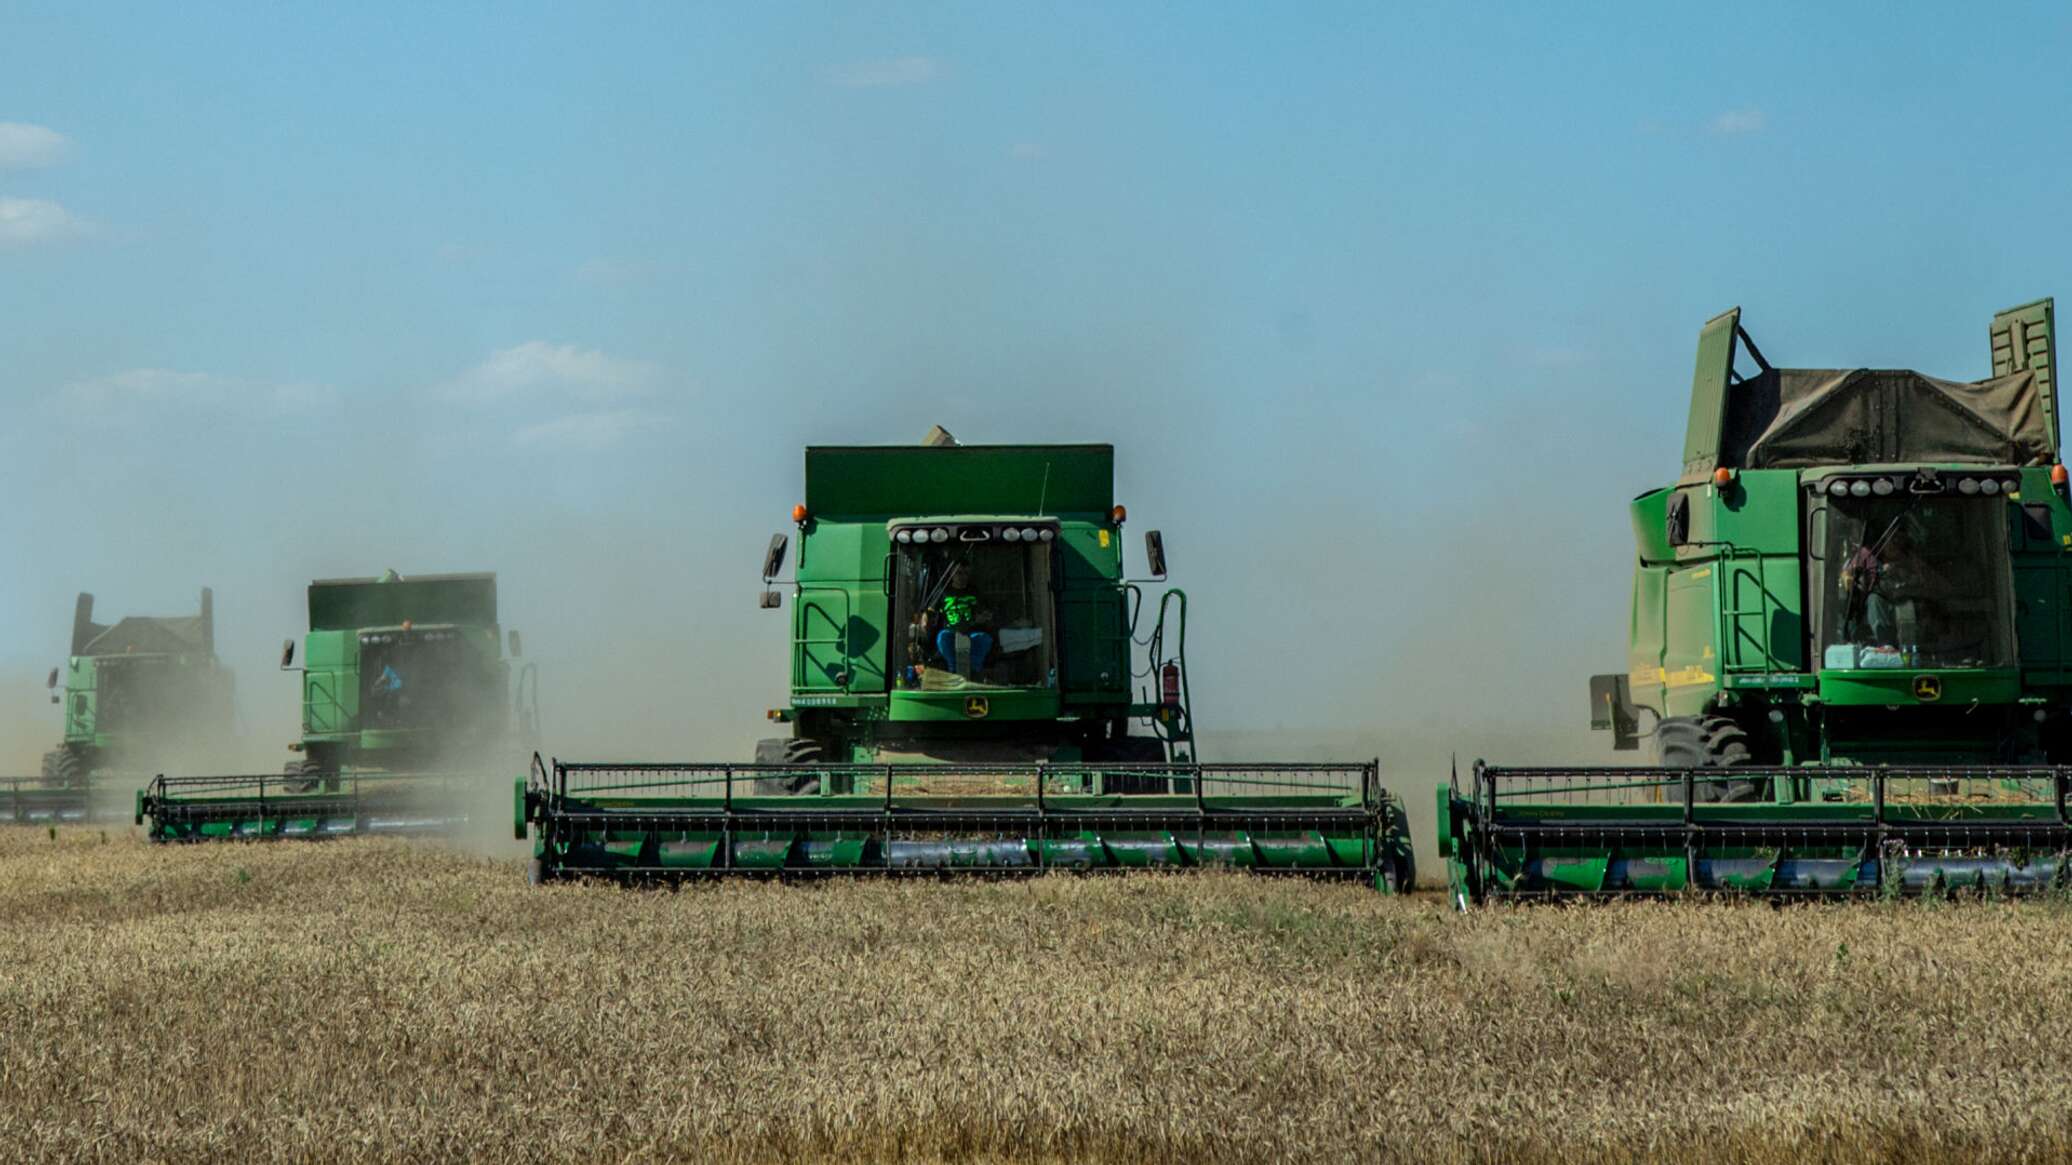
<point x="1882" y="574"/>
<point x="962" y="615"/>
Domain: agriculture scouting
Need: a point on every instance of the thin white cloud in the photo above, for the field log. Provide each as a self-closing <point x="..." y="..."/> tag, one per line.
<point x="1027" y="151"/>
<point x="140" y="391"/>
<point x="539" y="369"/>
<point x="25" y="222"/>
<point x="1735" y="122"/>
<point x="886" y="73"/>
<point x="585" y="432"/>
<point x="29" y="147"/>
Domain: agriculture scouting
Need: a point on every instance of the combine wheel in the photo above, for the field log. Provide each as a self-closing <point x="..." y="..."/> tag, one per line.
<point x="63" y="769"/>
<point x="304" y="776"/>
<point x="783" y="751"/>
<point x="1401" y="868"/>
<point x="1706" y="742"/>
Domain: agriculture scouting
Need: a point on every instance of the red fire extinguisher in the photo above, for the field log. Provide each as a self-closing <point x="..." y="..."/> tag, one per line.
<point x="1169" y="684"/>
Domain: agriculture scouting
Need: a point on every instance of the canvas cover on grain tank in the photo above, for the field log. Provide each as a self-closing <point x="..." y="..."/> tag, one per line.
<point x="146" y="634"/>
<point x="1794" y="418"/>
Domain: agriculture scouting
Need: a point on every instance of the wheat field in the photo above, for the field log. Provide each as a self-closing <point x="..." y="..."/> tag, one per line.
<point x="354" y="1000"/>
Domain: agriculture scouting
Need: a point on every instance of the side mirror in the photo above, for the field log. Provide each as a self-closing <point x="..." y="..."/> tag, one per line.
<point x="52" y="681"/>
<point x="287" y="653"/>
<point x="1154" y="553"/>
<point x="772" y="600"/>
<point x="1676" y="526"/>
<point x="773" y="558"/>
<point x="517" y="644"/>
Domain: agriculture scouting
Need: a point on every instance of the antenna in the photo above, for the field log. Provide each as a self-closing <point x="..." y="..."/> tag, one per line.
<point x="1043" y="495"/>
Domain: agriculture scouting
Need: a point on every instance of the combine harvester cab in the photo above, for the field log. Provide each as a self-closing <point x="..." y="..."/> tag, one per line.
<point x="1850" y="649"/>
<point x="964" y="681"/>
<point x="132" y="692"/>
<point x="411" y="719"/>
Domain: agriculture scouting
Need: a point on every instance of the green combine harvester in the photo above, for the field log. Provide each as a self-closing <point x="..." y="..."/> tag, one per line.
<point x="1851" y="649"/>
<point x="134" y="692"/>
<point x="408" y="707"/>
<point x="965" y="685"/>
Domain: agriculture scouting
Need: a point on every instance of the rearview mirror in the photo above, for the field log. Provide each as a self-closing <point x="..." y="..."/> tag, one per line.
<point x="287" y="653"/>
<point x="517" y="644"/>
<point x="773" y="558"/>
<point x="52" y="682"/>
<point x="772" y="600"/>
<point x="1154" y="553"/>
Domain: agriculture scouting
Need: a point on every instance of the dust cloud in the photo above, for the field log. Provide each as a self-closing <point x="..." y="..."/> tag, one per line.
<point x="1418" y="594"/>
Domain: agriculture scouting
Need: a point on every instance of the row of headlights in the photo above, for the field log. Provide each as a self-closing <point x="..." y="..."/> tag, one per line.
<point x="942" y="534"/>
<point x="407" y="636"/>
<point x="1887" y="486"/>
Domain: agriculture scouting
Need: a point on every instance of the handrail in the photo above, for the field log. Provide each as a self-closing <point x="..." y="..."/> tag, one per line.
<point x="1181" y="730"/>
<point x="840" y="638"/>
<point x="341" y="722"/>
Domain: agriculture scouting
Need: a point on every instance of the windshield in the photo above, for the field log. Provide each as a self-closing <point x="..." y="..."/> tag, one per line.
<point x="1914" y="582"/>
<point x="974" y="613"/>
<point x="422" y="679"/>
<point x="146" y="694"/>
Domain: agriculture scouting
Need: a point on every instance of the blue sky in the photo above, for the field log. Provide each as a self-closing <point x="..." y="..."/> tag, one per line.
<point x="1389" y="309"/>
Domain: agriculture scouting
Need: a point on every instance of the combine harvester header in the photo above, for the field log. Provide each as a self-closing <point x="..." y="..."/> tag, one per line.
<point x="964" y="682"/>
<point x="1851" y="648"/>
<point x="407" y="710"/>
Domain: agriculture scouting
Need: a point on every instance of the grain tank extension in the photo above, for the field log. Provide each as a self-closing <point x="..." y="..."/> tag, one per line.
<point x="1850" y="652"/>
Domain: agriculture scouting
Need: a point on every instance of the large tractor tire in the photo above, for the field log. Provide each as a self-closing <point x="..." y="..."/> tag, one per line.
<point x="64" y="769"/>
<point x="1708" y="742"/>
<point x="779" y="750"/>
<point x="304" y="776"/>
<point x="1399" y="870"/>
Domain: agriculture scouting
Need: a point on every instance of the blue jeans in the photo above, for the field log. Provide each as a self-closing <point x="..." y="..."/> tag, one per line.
<point x="946" y="646"/>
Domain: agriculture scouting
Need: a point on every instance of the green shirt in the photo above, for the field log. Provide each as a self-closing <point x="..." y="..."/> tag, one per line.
<point x="958" y="609"/>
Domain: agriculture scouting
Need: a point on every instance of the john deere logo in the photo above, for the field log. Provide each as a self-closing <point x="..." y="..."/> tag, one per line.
<point x="976" y="707"/>
<point x="1927" y="687"/>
